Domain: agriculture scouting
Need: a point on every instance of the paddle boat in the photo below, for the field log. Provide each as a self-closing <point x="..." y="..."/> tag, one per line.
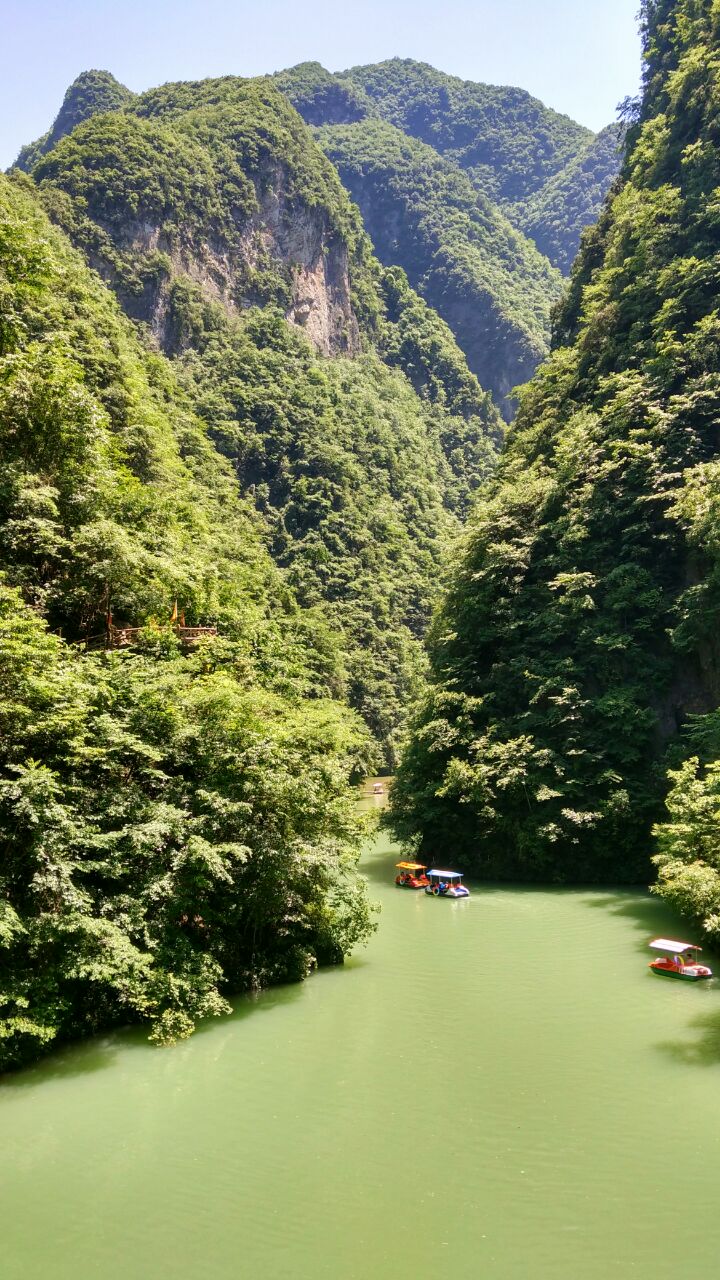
<point x="679" y="960"/>
<point x="411" y="875"/>
<point x="378" y="789"/>
<point x="446" y="884"/>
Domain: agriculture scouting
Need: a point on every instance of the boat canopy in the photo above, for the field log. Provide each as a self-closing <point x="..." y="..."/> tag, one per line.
<point x="446" y="875"/>
<point x="667" y="944"/>
<point x="411" y="866"/>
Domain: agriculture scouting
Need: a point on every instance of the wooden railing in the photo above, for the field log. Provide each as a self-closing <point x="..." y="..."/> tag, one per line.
<point x="190" y="635"/>
<point x="125" y="637"/>
<point x="122" y="637"/>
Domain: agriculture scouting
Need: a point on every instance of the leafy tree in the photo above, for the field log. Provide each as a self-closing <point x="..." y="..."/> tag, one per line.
<point x="688" y="842"/>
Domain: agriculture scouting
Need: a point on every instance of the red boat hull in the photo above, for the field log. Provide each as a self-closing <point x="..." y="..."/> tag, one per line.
<point x="688" y="972"/>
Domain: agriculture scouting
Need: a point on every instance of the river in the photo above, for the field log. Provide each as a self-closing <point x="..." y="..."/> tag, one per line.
<point x="495" y="1088"/>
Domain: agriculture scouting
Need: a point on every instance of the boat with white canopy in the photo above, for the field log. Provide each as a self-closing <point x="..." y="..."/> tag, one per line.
<point x="678" y="960"/>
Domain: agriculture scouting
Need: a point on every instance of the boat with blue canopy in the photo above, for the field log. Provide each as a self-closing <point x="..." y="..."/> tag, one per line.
<point x="446" y="884"/>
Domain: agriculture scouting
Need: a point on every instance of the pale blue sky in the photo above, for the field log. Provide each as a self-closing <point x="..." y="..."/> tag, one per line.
<point x="578" y="56"/>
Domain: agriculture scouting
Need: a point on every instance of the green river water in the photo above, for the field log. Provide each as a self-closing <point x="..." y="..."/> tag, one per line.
<point x="495" y="1088"/>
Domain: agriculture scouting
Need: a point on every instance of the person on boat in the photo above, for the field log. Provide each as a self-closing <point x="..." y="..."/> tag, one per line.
<point x="677" y="961"/>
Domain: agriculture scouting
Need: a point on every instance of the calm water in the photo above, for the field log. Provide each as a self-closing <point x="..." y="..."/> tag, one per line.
<point x="495" y="1088"/>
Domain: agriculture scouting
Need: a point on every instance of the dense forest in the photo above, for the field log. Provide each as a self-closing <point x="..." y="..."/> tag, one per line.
<point x="575" y="662"/>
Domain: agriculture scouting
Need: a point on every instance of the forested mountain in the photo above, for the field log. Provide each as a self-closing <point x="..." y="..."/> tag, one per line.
<point x="516" y="152"/>
<point x="324" y="98"/>
<point x="556" y="215"/>
<point x="486" y="280"/>
<point x="344" y="404"/>
<point x="455" y="181"/>
<point x="92" y="92"/>
<point x="508" y="141"/>
<point x="577" y="645"/>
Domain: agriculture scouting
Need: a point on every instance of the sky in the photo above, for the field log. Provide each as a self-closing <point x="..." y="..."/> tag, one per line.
<point x="579" y="56"/>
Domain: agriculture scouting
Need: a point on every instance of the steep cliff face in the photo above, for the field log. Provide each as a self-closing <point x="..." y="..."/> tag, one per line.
<point x="283" y="253"/>
<point x="580" y="632"/>
<point x="233" y="197"/>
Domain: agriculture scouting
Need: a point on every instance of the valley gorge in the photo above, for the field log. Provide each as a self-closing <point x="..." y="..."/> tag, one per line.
<point x="400" y="391"/>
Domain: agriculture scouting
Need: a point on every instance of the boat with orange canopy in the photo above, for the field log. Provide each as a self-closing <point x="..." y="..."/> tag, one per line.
<point x="411" y="875"/>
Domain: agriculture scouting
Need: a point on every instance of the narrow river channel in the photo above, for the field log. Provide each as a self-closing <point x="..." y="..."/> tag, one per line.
<point x="495" y="1088"/>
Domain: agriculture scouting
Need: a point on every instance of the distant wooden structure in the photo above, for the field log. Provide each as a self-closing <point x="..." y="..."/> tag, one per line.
<point x="126" y="637"/>
<point x="115" y="637"/>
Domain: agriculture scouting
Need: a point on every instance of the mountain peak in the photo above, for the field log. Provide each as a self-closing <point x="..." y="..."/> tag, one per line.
<point x="90" y="93"/>
<point x="321" y="97"/>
